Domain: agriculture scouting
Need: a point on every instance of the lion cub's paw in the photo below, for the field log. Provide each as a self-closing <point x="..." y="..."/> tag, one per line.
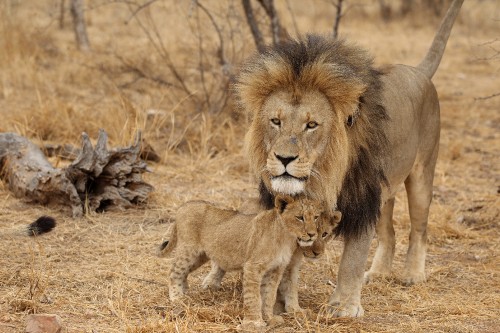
<point x="353" y="310"/>
<point x="210" y="284"/>
<point x="251" y="326"/>
<point x="279" y="307"/>
<point x="275" y="321"/>
<point x="298" y="311"/>
<point x="373" y="276"/>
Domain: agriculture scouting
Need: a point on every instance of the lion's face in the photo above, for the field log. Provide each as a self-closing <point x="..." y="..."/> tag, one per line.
<point x="301" y="217"/>
<point x="297" y="134"/>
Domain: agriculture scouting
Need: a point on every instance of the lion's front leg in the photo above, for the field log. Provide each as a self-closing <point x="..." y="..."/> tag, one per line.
<point x="382" y="261"/>
<point x="346" y="299"/>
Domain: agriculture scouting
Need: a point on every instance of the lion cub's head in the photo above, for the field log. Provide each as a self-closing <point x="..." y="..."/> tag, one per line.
<point x="301" y="217"/>
<point x="326" y="230"/>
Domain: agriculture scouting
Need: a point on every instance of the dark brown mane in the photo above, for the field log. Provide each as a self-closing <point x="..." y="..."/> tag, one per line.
<point x="360" y="197"/>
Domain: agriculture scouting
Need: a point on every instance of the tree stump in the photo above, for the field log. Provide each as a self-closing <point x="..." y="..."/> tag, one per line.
<point x="98" y="179"/>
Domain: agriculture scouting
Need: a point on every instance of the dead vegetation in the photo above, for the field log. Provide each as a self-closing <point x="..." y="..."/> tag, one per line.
<point x="99" y="272"/>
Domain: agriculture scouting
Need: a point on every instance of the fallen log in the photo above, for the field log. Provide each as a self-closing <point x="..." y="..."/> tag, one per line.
<point x="97" y="180"/>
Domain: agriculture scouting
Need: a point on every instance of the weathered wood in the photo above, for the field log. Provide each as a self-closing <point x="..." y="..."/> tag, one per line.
<point x="109" y="179"/>
<point x="98" y="179"/>
<point x="30" y="175"/>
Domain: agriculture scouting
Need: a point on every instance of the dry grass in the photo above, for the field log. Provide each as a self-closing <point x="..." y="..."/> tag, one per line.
<point x="99" y="273"/>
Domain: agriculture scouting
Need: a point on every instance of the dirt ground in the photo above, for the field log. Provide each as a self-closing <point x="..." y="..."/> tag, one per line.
<point x="99" y="273"/>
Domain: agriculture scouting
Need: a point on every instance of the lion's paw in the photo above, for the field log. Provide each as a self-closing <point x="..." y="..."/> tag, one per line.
<point x="251" y="326"/>
<point x="352" y="310"/>
<point x="413" y="278"/>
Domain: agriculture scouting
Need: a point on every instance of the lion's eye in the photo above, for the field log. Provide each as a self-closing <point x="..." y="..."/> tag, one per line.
<point x="324" y="235"/>
<point x="276" y="121"/>
<point x="300" y="218"/>
<point x="311" y="125"/>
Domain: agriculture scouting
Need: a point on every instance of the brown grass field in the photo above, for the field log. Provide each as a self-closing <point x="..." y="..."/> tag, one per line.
<point x="100" y="274"/>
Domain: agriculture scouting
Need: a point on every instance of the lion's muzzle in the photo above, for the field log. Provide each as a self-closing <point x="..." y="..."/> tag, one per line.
<point x="287" y="184"/>
<point x="287" y="174"/>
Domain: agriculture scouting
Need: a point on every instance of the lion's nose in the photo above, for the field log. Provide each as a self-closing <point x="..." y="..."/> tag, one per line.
<point x="285" y="160"/>
<point x="311" y="234"/>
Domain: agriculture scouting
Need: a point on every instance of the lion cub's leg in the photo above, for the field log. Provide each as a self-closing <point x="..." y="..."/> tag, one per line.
<point x="253" y="275"/>
<point x="288" y="291"/>
<point x="419" y="190"/>
<point x="185" y="261"/>
<point x="214" y="278"/>
<point x="382" y="261"/>
<point x="269" y="288"/>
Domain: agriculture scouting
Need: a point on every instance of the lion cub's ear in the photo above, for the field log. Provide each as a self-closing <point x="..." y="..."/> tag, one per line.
<point x="281" y="201"/>
<point x="336" y="217"/>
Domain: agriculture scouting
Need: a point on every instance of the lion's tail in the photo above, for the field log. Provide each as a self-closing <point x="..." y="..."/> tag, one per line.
<point x="168" y="245"/>
<point x="42" y="225"/>
<point x="433" y="57"/>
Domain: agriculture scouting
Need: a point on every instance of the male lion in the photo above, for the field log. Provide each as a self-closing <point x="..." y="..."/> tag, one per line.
<point x="262" y="245"/>
<point x="327" y="124"/>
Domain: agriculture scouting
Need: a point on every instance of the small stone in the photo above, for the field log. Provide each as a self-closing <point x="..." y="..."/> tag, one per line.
<point x="43" y="323"/>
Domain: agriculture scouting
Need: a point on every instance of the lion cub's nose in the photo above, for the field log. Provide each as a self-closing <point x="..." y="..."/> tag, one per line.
<point x="311" y="234"/>
<point x="285" y="160"/>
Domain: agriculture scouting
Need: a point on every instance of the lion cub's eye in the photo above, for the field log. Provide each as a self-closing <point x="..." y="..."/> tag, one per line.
<point x="316" y="218"/>
<point x="300" y="218"/>
<point x="276" y="121"/>
<point x="311" y="125"/>
<point x="324" y="235"/>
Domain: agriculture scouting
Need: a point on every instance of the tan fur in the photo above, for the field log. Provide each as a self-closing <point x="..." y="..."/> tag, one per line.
<point x="261" y="245"/>
<point x="327" y="124"/>
<point x="288" y="291"/>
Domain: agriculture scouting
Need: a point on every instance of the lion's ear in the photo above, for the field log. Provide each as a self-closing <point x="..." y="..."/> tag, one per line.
<point x="281" y="201"/>
<point x="336" y="217"/>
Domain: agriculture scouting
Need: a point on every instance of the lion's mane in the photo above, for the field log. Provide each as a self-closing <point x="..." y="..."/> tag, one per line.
<point x="345" y="75"/>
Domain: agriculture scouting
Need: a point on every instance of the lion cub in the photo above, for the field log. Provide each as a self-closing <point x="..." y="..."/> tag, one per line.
<point x="262" y="245"/>
<point x="287" y="299"/>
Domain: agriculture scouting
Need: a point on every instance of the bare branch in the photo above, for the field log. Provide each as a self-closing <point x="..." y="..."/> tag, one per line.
<point x="386" y="11"/>
<point x="220" y="51"/>
<point x="257" y="35"/>
<point x="156" y="40"/>
<point x="295" y="27"/>
<point x="141" y="73"/>
<point x="201" y="68"/>
<point x="139" y="8"/>
<point x="486" y="97"/>
<point x="276" y="28"/>
<point x="62" y="10"/>
<point x="338" y="16"/>
<point x="77" y="11"/>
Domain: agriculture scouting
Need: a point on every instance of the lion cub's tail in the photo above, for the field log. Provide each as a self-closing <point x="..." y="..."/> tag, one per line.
<point x="430" y="64"/>
<point x="168" y="245"/>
